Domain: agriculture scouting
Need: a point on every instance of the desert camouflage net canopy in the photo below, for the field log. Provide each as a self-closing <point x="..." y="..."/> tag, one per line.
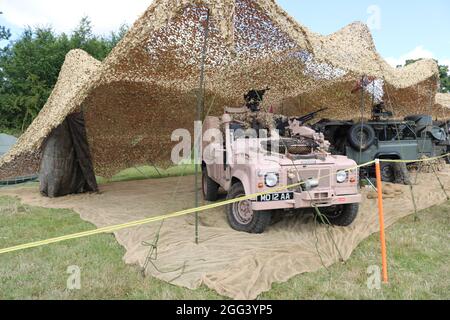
<point x="148" y="85"/>
<point x="443" y="100"/>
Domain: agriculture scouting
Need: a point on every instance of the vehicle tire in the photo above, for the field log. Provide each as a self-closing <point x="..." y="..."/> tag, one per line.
<point x="277" y="216"/>
<point x="361" y="133"/>
<point x="210" y="188"/>
<point x="387" y="172"/>
<point x="240" y="215"/>
<point x="343" y="216"/>
<point x="401" y="174"/>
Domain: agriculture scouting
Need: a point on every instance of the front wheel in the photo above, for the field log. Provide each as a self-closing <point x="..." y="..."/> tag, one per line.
<point x="241" y="216"/>
<point x="401" y="174"/>
<point x="342" y="216"/>
<point x="387" y="172"/>
<point x="395" y="173"/>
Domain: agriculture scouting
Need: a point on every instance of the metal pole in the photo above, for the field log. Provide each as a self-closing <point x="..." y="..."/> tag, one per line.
<point x="381" y="218"/>
<point x="200" y="99"/>
<point x="362" y="107"/>
<point x="431" y="101"/>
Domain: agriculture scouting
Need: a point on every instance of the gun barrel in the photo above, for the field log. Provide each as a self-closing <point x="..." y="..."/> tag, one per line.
<point x="310" y="116"/>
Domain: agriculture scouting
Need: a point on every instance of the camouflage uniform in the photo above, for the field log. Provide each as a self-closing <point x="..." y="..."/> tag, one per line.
<point x="263" y="120"/>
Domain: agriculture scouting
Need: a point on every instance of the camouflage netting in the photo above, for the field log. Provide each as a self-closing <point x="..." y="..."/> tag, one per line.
<point x="147" y="86"/>
<point x="23" y="158"/>
<point x="443" y="100"/>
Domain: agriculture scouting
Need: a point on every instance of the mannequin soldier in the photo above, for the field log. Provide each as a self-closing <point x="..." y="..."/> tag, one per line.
<point x="256" y="119"/>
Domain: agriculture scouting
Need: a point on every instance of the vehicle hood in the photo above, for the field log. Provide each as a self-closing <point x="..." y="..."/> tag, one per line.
<point x="285" y="161"/>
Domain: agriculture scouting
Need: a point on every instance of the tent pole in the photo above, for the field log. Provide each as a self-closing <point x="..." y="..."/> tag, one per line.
<point x="200" y="107"/>
<point x="362" y="107"/>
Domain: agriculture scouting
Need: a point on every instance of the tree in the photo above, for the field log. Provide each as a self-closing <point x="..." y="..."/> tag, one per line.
<point x="5" y="34"/>
<point x="445" y="79"/>
<point x="30" y="65"/>
<point x="99" y="47"/>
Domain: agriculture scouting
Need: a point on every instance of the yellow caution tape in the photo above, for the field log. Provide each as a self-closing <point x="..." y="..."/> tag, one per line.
<point x="136" y="223"/>
<point x="155" y="219"/>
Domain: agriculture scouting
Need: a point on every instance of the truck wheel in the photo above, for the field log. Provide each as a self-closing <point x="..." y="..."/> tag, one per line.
<point x="240" y="215"/>
<point x="387" y="172"/>
<point x="361" y="136"/>
<point x="401" y="174"/>
<point x="343" y="216"/>
<point x="210" y="188"/>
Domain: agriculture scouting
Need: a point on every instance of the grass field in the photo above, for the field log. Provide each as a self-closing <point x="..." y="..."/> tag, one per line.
<point x="419" y="256"/>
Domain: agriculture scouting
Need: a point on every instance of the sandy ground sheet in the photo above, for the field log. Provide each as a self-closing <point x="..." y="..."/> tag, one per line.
<point x="236" y="265"/>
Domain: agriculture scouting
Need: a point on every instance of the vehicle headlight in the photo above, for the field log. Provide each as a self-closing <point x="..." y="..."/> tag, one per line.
<point x="341" y="176"/>
<point x="271" y="180"/>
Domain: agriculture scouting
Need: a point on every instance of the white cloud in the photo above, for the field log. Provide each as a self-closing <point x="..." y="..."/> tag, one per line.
<point x="445" y="62"/>
<point x="417" y="53"/>
<point x="63" y="16"/>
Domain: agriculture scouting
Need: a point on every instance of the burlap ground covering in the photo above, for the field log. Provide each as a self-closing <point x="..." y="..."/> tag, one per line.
<point x="236" y="265"/>
<point x="147" y="86"/>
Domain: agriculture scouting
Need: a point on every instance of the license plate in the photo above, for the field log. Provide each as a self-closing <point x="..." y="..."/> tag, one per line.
<point x="281" y="196"/>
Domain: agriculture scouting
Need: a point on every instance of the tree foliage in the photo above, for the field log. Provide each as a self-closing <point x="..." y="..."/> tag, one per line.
<point x="30" y="65"/>
<point x="445" y="79"/>
<point x="5" y="34"/>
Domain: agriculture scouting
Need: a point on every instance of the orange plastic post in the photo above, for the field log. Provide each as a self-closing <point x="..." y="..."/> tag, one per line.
<point x="381" y="216"/>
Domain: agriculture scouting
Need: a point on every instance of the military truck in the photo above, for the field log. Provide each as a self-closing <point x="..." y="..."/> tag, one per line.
<point x="412" y="138"/>
<point x="244" y="162"/>
<point x="446" y="126"/>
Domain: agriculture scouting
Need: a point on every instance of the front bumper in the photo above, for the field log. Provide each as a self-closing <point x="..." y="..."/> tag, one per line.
<point x="308" y="200"/>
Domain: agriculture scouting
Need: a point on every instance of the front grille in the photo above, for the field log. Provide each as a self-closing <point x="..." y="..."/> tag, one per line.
<point x="325" y="178"/>
<point x="322" y="174"/>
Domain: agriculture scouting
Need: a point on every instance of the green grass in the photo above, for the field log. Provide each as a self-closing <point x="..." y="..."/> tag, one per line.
<point x="419" y="258"/>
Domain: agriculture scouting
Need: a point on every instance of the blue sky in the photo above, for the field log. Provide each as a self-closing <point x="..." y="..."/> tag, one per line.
<point x="407" y="27"/>
<point x="401" y="29"/>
